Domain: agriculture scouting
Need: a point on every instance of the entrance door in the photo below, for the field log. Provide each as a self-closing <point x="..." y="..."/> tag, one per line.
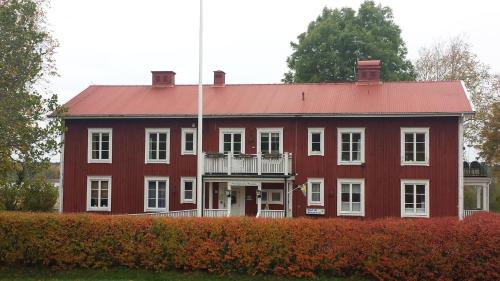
<point x="237" y="201"/>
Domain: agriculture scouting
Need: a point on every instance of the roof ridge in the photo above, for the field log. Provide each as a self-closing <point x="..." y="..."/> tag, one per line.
<point x="274" y="84"/>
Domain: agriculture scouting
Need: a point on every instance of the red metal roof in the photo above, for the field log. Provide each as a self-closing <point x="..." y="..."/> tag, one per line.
<point x="446" y="97"/>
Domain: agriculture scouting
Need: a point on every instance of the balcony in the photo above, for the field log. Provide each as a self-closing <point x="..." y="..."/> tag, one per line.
<point x="475" y="169"/>
<point x="250" y="164"/>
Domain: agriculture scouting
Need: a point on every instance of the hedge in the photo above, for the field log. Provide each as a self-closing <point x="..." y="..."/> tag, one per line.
<point x="388" y="249"/>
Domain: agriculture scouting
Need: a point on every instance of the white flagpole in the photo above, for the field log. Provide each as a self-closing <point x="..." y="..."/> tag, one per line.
<point x="199" y="168"/>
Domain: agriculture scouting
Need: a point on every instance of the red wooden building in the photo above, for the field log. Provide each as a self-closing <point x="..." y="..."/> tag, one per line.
<point x="367" y="148"/>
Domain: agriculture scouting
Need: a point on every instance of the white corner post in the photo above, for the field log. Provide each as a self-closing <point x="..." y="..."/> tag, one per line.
<point x="61" y="175"/>
<point x="199" y="168"/>
<point x="460" y="168"/>
<point x="259" y="199"/>
<point x="228" y="199"/>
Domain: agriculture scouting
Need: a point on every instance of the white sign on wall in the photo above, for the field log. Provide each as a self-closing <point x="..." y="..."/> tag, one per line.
<point x="311" y="211"/>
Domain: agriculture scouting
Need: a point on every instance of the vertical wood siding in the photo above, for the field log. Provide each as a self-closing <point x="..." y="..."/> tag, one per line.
<point x="382" y="170"/>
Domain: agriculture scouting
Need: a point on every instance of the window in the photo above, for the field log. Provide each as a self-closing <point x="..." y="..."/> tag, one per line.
<point x="188" y="190"/>
<point x="156" y="194"/>
<point x="270" y="140"/>
<point x="414" y="146"/>
<point x="315" y="192"/>
<point x="351" y="146"/>
<point x="415" y="198"/>
<point x="99" y="193"/>
<point x="350" y="197"/>
<point x="315" y="141"/>
<point x="99" y="145"/>
<point x="188" y="141"/>
<point x="158" y="146"/>
<point x="272" y="196"/>
<point x="232" y="140"/>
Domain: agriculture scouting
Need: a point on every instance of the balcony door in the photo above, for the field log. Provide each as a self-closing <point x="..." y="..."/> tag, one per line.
<point x="232" y="140"/>
<point x="270" y="140"/>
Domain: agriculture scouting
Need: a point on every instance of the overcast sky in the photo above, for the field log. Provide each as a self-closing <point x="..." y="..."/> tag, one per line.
<point x="120" y="42"/>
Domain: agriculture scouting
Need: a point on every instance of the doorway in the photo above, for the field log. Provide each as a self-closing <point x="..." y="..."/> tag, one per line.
<point x="237" y="201"/>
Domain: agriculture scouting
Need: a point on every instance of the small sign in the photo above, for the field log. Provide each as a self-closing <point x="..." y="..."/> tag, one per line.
<point x="310" y="211"/>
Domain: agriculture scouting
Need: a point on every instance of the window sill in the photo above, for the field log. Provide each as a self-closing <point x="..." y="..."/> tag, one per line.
<point x="350" y="163"/>
<point x="155" y="210"/>
<point x="188" y="202"/>
<point x="315" y="154"/>
<point x="157" y="162"/>
<point x="99" y="161"/>
<point x="415" y="164"/>
<point x="312" y="204"/>
<point x="96" y="209"/>
<point x="415" y="216"/>
<point x="188" y="153"/>
<point x="350" y="214"/>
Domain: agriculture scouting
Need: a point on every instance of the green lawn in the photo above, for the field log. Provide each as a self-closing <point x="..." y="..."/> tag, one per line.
<point x="42" y="274"/>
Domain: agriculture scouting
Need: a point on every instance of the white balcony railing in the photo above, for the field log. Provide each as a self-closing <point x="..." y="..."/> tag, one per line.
<point x="247" y="164"/>
<point x="215" y="213"/>
<point x="272" y="214"/>
<point x="468" y="213"/>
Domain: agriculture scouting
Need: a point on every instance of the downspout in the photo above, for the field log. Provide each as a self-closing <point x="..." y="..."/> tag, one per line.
<point x="460" y="167"/>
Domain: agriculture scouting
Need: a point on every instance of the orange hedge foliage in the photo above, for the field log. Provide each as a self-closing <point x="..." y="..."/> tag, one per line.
<point x="389" y="249"/>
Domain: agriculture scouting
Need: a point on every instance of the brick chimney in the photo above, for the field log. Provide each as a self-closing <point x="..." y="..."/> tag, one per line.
<point x="163" y="78"/>
<point x="369" y="71"/>
<point x="219" y="78"/>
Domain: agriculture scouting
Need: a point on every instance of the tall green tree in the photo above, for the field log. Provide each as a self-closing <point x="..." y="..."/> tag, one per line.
<point x="332" y="44"/>
<point x="454" y="59"/>
<point x="28" y="137"/>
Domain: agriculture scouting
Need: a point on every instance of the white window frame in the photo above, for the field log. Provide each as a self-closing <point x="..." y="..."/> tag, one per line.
<point x="341" y="131"/>
<point x="402" y="144"/>
<point x="167" y="193"/>
<point x="310" y="132"/>
<point x="146" y="146"/>
<point x="270" y="130"/>
<point x="361" y="182"/>
<point x="223" y="131"/>
<point x="404" y="214"/>
<point x="183" y="198"/>
<point x="91" y="131"/>
<point x="270" y="197"/>
<point x="321" y="181"/>
<point x="98" y="178"/>
<point x="185" y="131"/>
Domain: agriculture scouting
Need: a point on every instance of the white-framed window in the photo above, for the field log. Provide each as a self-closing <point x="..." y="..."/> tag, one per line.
<point x="156" y="194"/>
<point x="415" y="146"/>
<point x="100" y="144"/>
<point x="272" y="196"/>
<point x="157" y="145"/>
<point x="99" y="193"/>
<point x="188" y="141"/>
<point x="270" y="140"/>
<point x="232" y="140"/>
<point x="350" y="197"/>
<point x="350" y="146"/>
<point x="188" y="190"/>
<point x="415" y="198"/>
<point x="315" y="141"/>
<point x="315" y="192"/>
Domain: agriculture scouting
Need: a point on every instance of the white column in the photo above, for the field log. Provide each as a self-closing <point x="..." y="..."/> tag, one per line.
<point x="228" y="199"/>
<point x="259" y="199"/>
<point x="285" y="164"/>
<point x="460" y="167"/>
<point x="259" y="163"/>
<point x="289" y="196"/>
<point x="229" y="160"/>
<point x="210" y="195"/>
<point x="485" y="197"/>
